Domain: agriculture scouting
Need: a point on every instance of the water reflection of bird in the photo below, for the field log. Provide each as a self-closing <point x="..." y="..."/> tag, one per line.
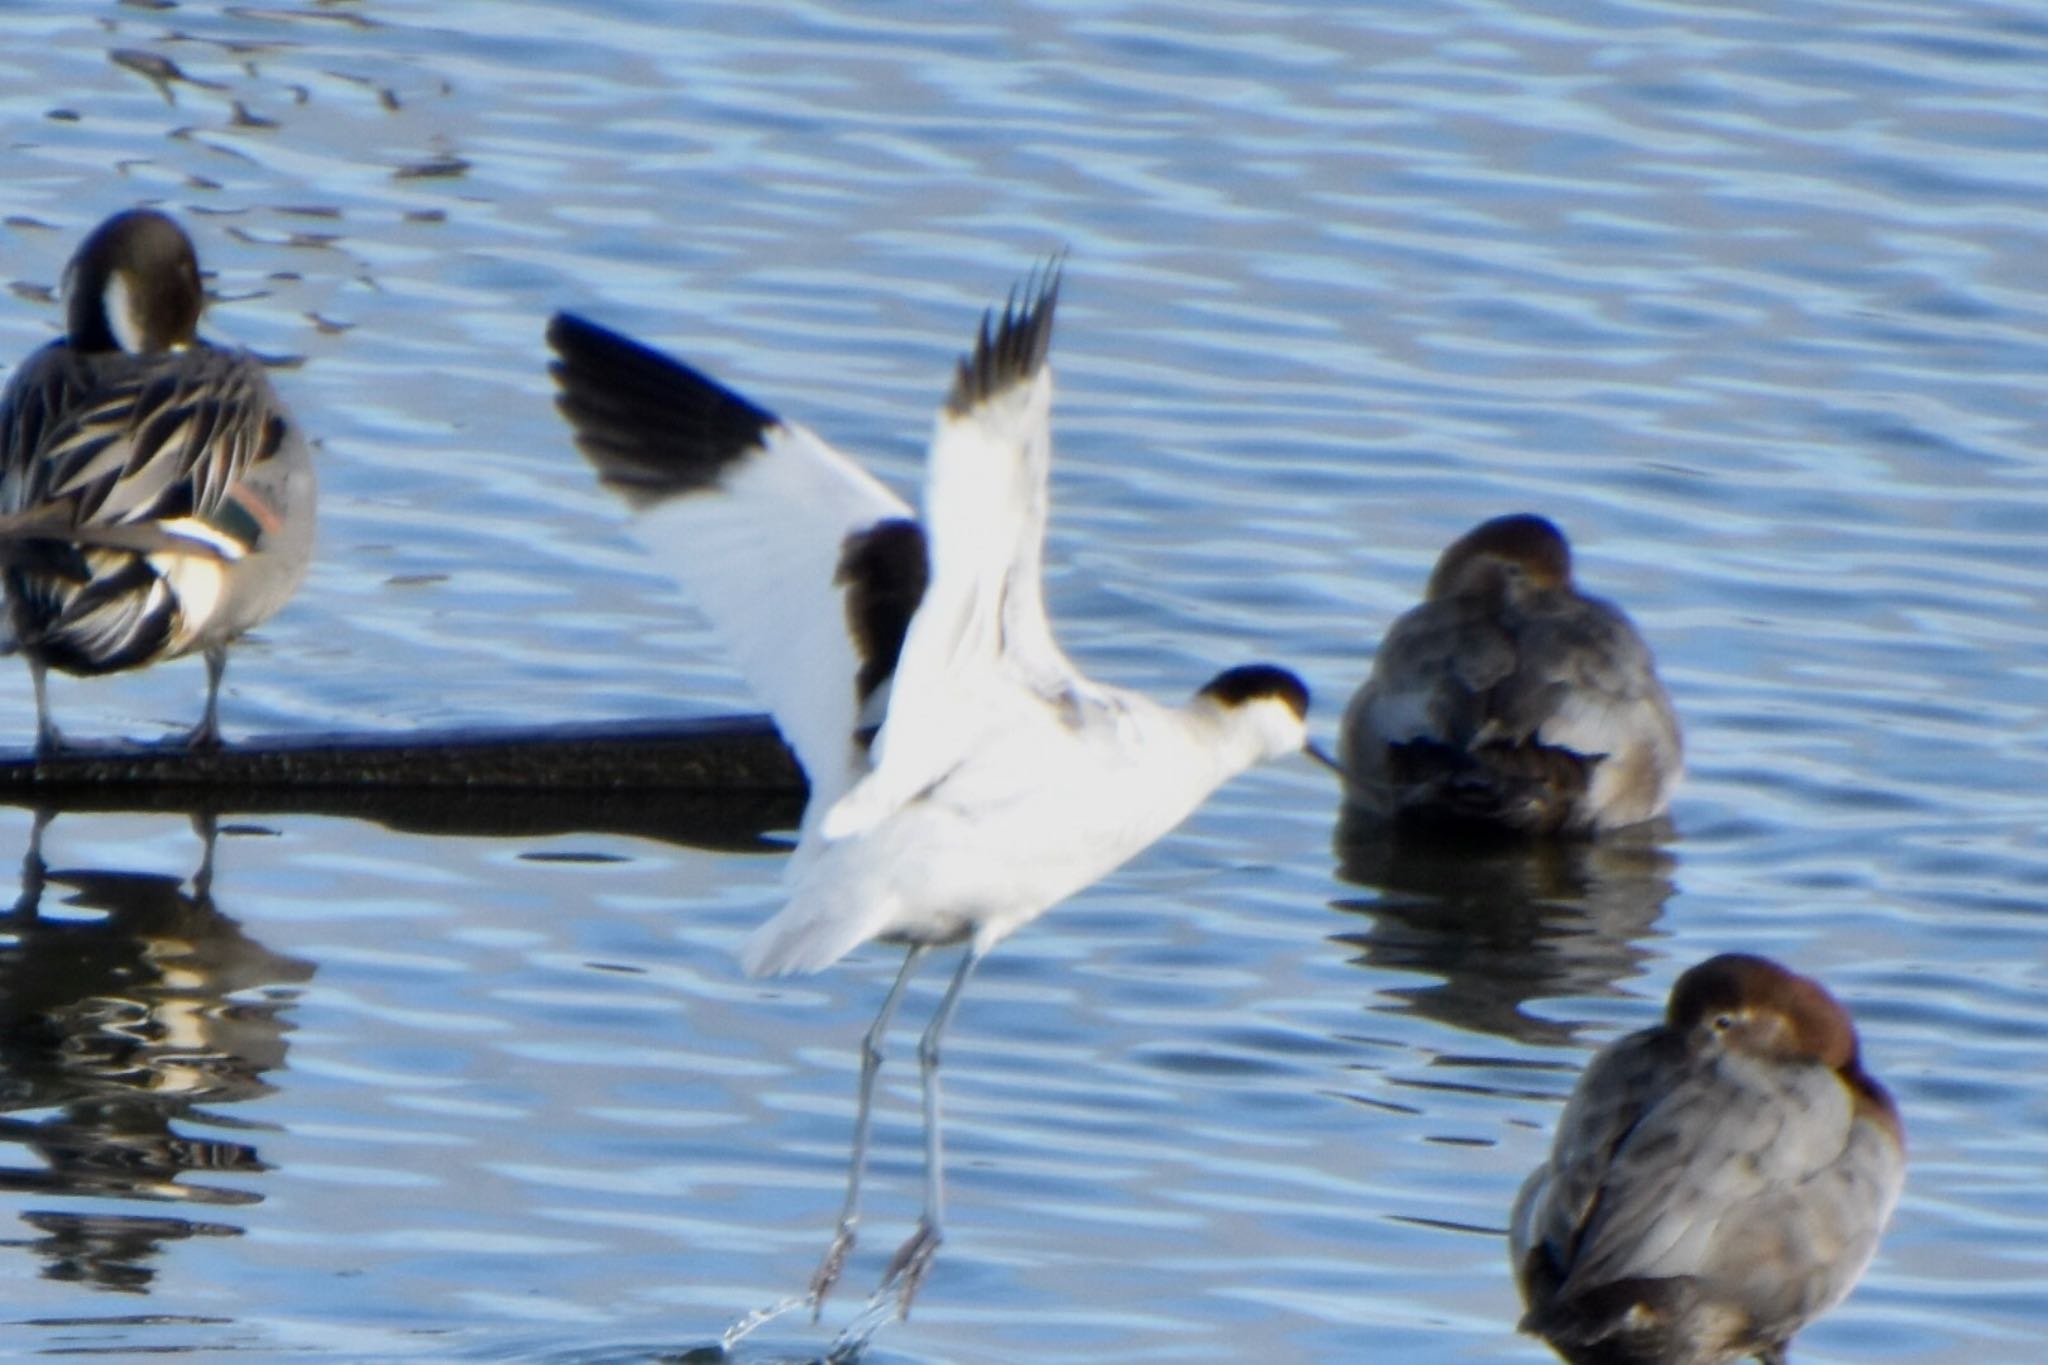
<point x="1500" y="922"/>
<point x="1511" y="699"/>
<point x="119" y="1031"/>
<point x="1001" y="780"/>
<point x="156" y="499"/>
<point x="109" y="1251"/>
<point x="1717" y="1181"/>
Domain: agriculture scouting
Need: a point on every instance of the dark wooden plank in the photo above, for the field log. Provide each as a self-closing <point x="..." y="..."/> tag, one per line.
<point x="720" y="782"/>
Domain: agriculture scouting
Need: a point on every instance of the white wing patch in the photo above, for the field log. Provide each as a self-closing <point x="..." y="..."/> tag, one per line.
<point x="982" y="624"/>
<point x="759" y="553"/>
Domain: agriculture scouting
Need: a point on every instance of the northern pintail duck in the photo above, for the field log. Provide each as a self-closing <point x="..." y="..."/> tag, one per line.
<point x="1509" y="699"/>
<point x="155" y="496"/>
<point x="1717" y="1182"/>
<point x="1001" y="780"/>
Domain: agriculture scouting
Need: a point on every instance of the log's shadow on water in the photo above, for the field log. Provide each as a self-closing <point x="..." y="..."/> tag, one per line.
<point x="1501" y="922"/>
<point x="133" y="1013"/>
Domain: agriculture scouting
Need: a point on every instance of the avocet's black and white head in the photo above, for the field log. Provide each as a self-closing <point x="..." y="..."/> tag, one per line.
<point x="1267" y="703"/>
<point x="133" y="285"/>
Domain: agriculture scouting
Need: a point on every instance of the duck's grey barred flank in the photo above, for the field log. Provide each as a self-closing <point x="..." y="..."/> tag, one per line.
<point x="119" y="439"/>
<point x="1011" y="350"/>
<point x="653" y="426"/>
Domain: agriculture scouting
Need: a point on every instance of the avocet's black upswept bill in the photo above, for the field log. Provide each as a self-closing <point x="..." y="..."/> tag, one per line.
<point x="1000" y="780"/>
<point x="156" y="499"/>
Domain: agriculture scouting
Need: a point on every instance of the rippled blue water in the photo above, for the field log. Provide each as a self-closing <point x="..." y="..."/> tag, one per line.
<point x="1745" y="295"/>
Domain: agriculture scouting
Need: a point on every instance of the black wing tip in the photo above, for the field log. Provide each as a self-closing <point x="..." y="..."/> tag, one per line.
<point x="1013" y="347"/>
<point x="652" y="425"/>
<point x="591" y="353"/>
<point x="568" y="331"/>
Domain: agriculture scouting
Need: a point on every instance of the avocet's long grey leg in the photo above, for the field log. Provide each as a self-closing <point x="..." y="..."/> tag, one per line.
<point x="914" y="1257"/>
<point x="849" y="1212"/>
<point x="870" y="1062"/>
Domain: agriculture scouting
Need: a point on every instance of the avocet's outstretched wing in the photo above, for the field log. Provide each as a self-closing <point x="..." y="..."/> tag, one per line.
<point x="807" y="567"/>
<point x="982" y="626"/>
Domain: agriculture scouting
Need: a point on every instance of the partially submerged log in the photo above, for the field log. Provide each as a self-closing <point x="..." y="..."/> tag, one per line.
<point x="719" y="782"/>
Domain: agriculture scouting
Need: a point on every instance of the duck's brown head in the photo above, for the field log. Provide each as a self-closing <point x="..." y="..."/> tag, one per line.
<point x="1523" y="549"/>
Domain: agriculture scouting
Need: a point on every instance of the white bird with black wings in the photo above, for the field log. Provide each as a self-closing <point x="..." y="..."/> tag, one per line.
<point x="1000" y="780"/>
